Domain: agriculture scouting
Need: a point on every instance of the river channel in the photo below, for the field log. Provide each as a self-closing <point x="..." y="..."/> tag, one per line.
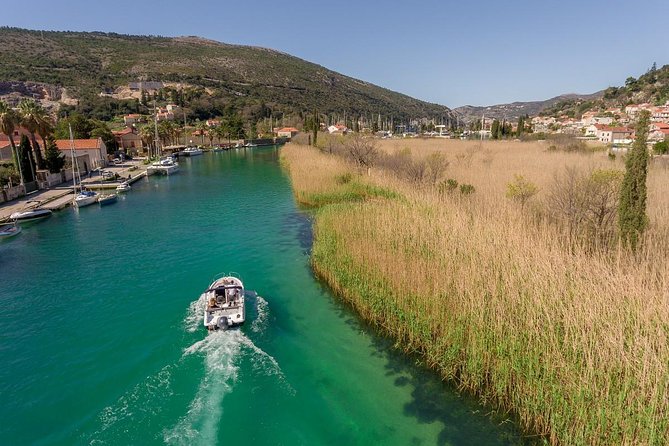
<point x="101" y="341"/>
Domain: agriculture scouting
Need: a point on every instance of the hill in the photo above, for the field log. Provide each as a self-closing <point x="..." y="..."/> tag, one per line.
<point x="514" y="110"/>
<point x="96" y="68"/>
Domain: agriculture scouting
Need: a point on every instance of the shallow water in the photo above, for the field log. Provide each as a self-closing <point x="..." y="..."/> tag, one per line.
<point x="101" y="339"/>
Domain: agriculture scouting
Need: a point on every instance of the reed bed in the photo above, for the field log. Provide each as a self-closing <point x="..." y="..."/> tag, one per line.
<point x="574" y="343"/>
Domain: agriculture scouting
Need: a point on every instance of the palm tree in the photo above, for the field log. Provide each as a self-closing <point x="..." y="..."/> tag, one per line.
<point x="32" y="116"/>
<point x="147" y="135"/>
<point x="8" y="121"/>
<point x="201" y="128"/>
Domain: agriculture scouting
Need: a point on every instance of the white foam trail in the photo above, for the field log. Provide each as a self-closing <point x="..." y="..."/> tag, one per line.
<point x="200" y="424"/>
<point x="262" y="307"/>
<point x="193" y="319"/>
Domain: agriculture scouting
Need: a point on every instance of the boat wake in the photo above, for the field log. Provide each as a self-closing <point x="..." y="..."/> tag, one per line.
<point x="200" y="424"/>
<point x="142" y="410"/>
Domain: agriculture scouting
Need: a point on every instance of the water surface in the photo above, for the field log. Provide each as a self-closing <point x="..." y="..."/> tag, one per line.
<point x="101" y="339"/>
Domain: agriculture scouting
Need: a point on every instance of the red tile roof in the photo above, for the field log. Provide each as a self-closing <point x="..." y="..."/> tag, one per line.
<point x="79" y="144"/>
<point x="288" y="129"/>
<point x="125" y="131"/>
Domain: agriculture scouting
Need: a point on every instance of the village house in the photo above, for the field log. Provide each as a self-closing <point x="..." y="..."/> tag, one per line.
<point x="286" y="132"/>
<point x="5" y="145"/>
<point x="337" y="129"/>
<point x="213" y="122"/>
<point x="128" y="140"/>
<point x="590" y="118"/>
<point x="163" y="114"/>
<point x="131" y="119"/>
<point x="658" y="131"/>
<point x="614" y="135"/>
<point x="91" y="153"/>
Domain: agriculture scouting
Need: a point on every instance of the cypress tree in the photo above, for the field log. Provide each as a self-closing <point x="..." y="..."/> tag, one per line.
<point x="632" y="219"/>
<point x="317" y="125"/>
<point x="53" y="158"/>
<point x="26" y="159"/>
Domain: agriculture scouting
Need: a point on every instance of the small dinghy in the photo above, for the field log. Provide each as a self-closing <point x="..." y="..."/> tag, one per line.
<point x="9" y="230"/>
<point x="224" y="303"/>
<point x="107" y="199"/>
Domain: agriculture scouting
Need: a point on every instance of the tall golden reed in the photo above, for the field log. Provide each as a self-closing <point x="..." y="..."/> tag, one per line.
<point x="576" y="344"/>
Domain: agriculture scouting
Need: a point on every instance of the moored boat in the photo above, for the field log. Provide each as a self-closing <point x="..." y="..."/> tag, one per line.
<point x="224" y="303"/>
<point x="123" y="187"/>
<point x="192" y="151"/>
<point x="9" y="230"/>
<point x="85" y="198"/>
<point x="31" y="214"/>
<point x="107" y="199"/>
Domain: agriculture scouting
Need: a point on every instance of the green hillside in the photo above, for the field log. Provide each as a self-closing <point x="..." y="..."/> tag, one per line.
<point x="219" y="75"/>
<point x="651" y="87"/>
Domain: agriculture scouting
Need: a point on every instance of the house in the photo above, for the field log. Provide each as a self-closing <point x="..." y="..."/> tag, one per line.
<point x="128" y="139"/>
<point x="590" y="118"/>
<point x="614" y="135"/>
<point x="132" y="118"/>
<point x="90" y="153"/>
<point x="5" y="151"/>
<point x="213" y="122"/>
<point x="287" y="132"/>
<point x="658" y="135"/>
<point x="337" y="129"/>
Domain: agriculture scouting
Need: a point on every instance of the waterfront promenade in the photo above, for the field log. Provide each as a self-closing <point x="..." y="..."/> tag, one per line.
<point x="59" y="197"/>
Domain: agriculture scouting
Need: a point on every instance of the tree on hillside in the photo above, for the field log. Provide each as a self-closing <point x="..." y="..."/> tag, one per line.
<point x="102" y="131"/>
<point x="632" y="219"/>
<point x="8" y="122"/>
<point x="81" y="127"/>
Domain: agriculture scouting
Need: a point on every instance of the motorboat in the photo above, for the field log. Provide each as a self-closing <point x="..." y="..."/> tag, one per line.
<point x="85" y="198"/>
<point x="31" y="214"/>
<point x="9" y="230"/>
<point x="217" y="149"/>
<point x="224" y="303"/>
<point x="107" y="199"/>
<point x="250" y="144"/>
<point x="192" y="151"/>
<point x="123" y="187"/>
<point x="165" y="166"/>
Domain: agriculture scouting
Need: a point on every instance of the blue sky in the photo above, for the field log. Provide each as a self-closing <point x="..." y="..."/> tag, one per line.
<point x="449" y="52"/>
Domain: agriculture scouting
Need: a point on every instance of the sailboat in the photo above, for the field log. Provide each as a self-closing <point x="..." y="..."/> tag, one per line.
<point x="84" y="197"/>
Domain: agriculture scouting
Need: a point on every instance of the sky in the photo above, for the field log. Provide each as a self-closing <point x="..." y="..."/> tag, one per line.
<point x="448" y="52"/>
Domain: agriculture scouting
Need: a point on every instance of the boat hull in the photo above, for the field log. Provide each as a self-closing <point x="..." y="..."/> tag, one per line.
<point x="107" y="199"/>
<point x="9" y="231"/>
<point x="85" y="200"/>
<point x="34" y="215"/>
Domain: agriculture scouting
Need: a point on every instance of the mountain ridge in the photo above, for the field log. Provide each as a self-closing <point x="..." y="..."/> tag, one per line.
<point x="88" y="63"/>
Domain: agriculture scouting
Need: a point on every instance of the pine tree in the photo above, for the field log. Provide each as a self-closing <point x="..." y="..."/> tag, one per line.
<point x="632" y="218"/>
<point x="521" y="125"/>
<point x="53" y="158"/>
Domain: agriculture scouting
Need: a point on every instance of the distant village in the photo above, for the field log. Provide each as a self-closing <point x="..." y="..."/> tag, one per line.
<point x="612" y="126"/>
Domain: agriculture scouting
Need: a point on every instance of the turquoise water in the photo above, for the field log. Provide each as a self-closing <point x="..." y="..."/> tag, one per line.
<point x="101" y="341"/>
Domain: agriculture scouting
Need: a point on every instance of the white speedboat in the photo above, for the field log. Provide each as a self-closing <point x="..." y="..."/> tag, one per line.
<point x="224" y="303"/>
<point x="250" y="144"/>
<point x="31" y="215"/>
<point x="107" y="199"/>
<point x="192" y="151"/>
<point x="123" y="187"/>
<point x="166" y="166"/>
<point x="9" y="230"/>
<point x="85" y="198"/>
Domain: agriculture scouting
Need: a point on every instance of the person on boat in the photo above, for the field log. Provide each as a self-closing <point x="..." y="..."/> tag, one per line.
<point x="212" y="302"/>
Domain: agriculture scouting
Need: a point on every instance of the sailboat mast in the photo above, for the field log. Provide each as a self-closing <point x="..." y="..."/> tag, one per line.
<point x="75" y="162"/>
<point x="155" y="127"/>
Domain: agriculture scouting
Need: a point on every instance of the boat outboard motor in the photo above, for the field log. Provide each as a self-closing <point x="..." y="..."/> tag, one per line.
<point x="222" y="323"/>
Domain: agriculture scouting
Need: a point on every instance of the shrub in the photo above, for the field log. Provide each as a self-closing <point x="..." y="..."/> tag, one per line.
<point x="661" y="148"/>
<point x="467" y="189"/>
<point x="447" y="186"/>
<point x="521" y="190"/>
